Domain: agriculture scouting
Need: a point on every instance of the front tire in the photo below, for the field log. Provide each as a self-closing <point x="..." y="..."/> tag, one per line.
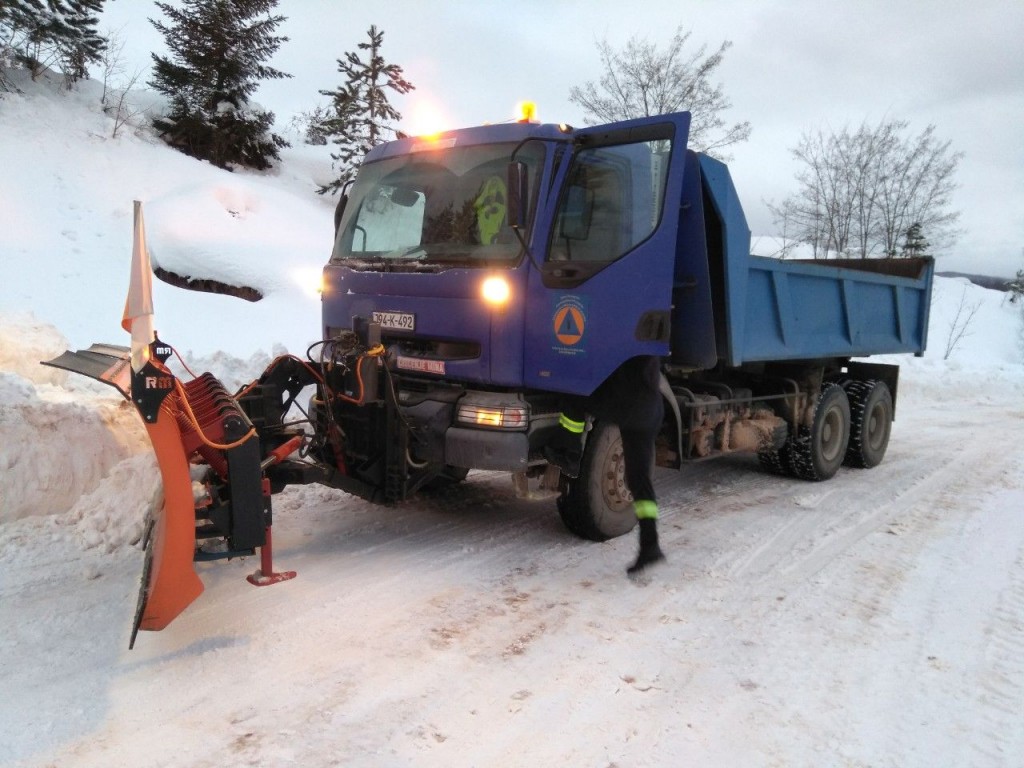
<point x="597" y="505"/>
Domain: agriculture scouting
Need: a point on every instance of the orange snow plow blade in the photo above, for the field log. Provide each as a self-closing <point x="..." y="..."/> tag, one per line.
<point x="197" y="429"/>
<point x="169" y="581"/>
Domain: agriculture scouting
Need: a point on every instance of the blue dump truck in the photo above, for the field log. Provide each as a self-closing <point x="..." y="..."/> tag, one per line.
<point x="497" y="268"/>
<point x="480" y="275"/>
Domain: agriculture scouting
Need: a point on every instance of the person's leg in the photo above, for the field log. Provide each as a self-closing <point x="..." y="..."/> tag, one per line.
<point x="638" y="457"/>
<point x="565" y="449"/>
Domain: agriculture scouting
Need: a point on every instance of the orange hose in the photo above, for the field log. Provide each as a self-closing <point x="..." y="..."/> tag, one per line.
<point x="199" y="430"/>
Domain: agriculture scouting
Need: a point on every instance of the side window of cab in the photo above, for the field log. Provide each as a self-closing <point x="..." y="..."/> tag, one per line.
<point x="611" y="202"/>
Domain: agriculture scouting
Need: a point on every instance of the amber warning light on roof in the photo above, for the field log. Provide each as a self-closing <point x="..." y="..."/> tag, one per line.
<point x="526" y="112"/>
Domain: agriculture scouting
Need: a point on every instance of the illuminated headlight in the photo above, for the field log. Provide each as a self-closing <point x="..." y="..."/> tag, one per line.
<point x="493" y="415"/>
<point x="495" y="291"/>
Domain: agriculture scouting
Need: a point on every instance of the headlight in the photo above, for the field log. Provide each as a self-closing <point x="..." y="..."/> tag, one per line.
<point x="495" y="291"/>
<point x="493" y="415"/>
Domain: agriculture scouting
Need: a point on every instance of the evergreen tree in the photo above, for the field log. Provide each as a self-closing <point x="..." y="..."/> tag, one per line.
<point x="218" y="52"/>
<point x="80" y="43"/>
<point x="42" y="33"/>
<point x="1016" y="287"/>
<point x="360" y="115"/>
<point x="915" y="244"/>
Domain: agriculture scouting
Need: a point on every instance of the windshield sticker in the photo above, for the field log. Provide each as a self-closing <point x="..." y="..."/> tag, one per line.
<point x="431" y="145"/>
<point x="569" y="324"/>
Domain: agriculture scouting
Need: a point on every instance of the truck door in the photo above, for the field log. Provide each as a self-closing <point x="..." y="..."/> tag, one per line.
<point x="605" y="242"/>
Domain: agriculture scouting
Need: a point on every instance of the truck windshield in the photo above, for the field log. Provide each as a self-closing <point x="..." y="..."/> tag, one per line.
<point x="441" y="206"/>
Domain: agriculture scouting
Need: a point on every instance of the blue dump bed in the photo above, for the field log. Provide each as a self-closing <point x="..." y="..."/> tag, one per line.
<point x="807" y="309"/>
<point x="767" y="309"/>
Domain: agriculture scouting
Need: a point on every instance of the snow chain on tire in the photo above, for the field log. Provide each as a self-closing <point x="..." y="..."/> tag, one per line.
<point x="870" y="423"/>
<point x="817" y="452"/>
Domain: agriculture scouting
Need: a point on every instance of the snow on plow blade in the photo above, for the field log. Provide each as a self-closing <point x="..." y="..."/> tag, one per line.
<point x="195" y="427"/>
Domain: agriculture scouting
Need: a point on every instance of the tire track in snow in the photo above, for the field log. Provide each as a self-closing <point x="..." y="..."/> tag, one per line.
<point x="1002" y="690"/>
<point x="785" y="545"/>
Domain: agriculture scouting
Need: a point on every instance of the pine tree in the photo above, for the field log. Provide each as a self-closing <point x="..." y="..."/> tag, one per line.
<point x="361" y="116"/>
<point x="1016" y="287"/>
<point x="80" y="44"/>
<point x="915" y="244"/>
<point x="24" y="27"/>
<point x="42" y="33"/>
<point x="218" y="49"/>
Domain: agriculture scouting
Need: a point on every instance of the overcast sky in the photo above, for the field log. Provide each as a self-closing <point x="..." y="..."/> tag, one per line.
<point x="795" y="66"/>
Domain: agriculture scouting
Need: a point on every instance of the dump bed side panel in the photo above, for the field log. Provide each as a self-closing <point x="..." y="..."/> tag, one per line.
<point x="798" y="310"/>
<point x="807" y="310"/>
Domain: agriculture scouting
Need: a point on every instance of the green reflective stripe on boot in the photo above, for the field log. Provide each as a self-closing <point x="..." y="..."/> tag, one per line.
<point x="646" y="510"/>
<point x="575" y="427"/>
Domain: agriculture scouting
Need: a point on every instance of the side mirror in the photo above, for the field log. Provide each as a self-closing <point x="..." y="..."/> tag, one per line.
<point x="339" y="211"/>
<point x="518" y="194"/>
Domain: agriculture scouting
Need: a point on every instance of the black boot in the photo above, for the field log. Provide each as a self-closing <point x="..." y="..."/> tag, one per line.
<point x="564" y="450"/>
<point x="650" y="552"/>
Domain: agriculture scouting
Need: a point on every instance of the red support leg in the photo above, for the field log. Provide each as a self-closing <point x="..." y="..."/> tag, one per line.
<point x="266" y="576"/>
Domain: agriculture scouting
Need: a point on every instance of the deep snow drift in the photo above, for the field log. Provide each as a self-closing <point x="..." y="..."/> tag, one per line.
<point x="871" y="620"/>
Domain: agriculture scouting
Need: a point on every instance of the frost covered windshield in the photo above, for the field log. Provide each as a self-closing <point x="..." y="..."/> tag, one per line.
<point x="446" y="205"/>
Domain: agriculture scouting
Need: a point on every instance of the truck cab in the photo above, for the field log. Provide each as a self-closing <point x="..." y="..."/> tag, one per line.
<point x="500" y="266"/>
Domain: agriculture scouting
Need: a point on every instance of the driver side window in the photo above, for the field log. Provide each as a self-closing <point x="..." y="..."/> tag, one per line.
<point x="612" y="201"/>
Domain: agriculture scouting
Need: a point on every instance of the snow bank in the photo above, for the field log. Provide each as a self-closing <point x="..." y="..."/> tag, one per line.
<point x="68" y="234"/>
<point x="61" y="434"/>
<point x="113" y="514"/>
<point x="56" y="448"/>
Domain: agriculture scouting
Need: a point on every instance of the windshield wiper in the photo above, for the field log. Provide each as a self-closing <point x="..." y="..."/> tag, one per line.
<point x="412" y="253"/>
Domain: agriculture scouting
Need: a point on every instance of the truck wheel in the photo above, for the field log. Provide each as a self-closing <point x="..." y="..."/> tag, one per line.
<point x="870" y="423"/>
<point x="449" y="477"/>
<point x="777" y="462"/>
<point x="817" y="452"/>
<point x="597" y="505"/>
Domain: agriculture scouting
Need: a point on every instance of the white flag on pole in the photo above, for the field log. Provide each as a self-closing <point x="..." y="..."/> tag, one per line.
<point x="138" y="307"/>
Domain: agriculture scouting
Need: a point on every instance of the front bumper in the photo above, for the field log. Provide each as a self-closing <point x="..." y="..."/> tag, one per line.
<point x="482" y="449"/>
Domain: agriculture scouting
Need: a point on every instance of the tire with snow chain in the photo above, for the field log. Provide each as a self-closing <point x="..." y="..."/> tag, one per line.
<point x="870" y="423"/>
<point x="817" y="452"/>
<point x="597" y="505"/>
<point x="777" y="462"/>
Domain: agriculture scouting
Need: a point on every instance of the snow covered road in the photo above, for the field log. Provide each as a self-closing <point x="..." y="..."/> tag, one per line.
<point x="875" y="619"/>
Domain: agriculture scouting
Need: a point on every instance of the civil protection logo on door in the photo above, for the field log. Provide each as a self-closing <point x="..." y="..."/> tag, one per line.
<point x="569" y="321"/>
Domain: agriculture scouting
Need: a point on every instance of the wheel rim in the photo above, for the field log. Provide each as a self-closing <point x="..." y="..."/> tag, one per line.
<point x="832" y="435"/>
<point x="613" y="481"/>
<point x="876" y="427"/>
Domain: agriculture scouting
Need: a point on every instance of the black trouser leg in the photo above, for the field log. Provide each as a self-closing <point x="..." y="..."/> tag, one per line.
<point x="638" y="456"/>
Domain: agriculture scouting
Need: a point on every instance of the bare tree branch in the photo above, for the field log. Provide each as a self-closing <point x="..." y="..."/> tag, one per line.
<point x="961" y="321"/>
<point x="641" y="81"/>
<point x="861" y="191"/>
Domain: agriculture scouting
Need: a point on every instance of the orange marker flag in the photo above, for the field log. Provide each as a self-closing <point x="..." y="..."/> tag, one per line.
<point x="138" y="306"/>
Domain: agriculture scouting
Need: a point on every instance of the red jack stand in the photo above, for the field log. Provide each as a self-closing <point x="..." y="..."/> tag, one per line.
<point x="265" y="576"/>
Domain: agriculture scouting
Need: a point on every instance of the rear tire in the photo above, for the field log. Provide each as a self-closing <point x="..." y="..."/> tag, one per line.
<point x="870" y="423"/>
<point x="817" y="452"/>
<point x="777" y="462"/>
<point x="597" y="505"/>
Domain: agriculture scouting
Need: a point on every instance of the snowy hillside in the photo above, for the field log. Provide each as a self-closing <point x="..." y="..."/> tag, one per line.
<point x="873" y="620"/>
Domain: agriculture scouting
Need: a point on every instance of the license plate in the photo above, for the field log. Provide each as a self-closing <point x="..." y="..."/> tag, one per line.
<point x="396" y="321"/>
